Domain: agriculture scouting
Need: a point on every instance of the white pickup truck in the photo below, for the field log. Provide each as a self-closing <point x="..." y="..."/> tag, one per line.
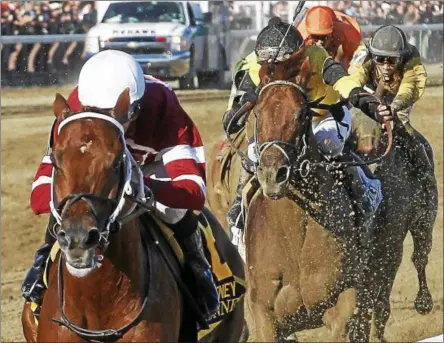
<point x="172" y="40"/>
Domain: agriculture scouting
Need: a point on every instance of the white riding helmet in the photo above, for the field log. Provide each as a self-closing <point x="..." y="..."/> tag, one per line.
<point x="106" y="75"/>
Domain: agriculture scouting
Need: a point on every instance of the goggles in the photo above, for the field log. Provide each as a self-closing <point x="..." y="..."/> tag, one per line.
<point x="386" y="59"/>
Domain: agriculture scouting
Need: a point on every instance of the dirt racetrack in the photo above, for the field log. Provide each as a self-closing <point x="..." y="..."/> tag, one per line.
<point x="24" y="137"/>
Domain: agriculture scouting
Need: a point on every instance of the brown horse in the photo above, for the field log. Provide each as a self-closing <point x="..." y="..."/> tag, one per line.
<point x="302" y="244"/>
<point x="110" y="283"/>
<point x="410" y="205"/>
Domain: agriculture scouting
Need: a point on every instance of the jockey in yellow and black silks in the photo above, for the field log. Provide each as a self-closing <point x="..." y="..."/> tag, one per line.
<point x="329" y="81"/>
<point x="390" y="58"/>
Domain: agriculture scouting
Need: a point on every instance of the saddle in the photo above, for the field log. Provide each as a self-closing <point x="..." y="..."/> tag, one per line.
<point x="231" y="287"/>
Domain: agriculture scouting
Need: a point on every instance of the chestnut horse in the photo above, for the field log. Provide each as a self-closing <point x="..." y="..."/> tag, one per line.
<point x="110" y="283"/>
<point x="300" y="237"/>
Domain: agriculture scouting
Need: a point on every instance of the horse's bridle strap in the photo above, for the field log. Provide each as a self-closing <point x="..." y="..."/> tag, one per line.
<point x="285" y="83"/>
<point x="85" y="115"/>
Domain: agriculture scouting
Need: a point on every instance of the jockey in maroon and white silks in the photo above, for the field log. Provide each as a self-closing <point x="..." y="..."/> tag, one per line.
<point x="168" y="148"/>
<point x="162" y="132"/>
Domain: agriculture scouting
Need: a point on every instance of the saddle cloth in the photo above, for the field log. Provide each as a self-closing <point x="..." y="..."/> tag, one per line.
<point x="230" y="287"/>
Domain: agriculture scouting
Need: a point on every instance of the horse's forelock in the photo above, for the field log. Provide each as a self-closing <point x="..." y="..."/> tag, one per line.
<point x="287" y="70"/>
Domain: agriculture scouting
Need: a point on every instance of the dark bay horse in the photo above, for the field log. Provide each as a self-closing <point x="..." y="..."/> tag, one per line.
<point x="301" y="240"/>
<point x="109" y="283"/>
<point x="410" y="205"/>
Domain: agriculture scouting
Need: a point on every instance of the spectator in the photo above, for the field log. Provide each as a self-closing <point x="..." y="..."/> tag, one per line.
<point x="42" y="18"/>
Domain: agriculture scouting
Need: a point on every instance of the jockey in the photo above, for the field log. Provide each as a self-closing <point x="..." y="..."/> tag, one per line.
<point x="389" y="58"/>
<point x="161" y="137"/>
<point x="336" y="32"/>
<point x="329" y="80"/>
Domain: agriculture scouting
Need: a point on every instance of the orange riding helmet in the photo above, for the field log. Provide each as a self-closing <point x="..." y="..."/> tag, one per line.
<point x="319" y="20"/>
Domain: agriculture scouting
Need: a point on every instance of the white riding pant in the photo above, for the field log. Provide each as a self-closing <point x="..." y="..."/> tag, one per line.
<point x="326" y="134"/>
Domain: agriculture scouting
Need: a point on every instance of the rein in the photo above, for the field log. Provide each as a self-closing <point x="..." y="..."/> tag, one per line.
<point x="303" y="166"/>
<point x="92" y="335"/>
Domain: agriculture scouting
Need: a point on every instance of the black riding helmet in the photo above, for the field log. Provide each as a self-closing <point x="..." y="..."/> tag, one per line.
<point x="389" y="41"/>
<point x="270" y="38"/>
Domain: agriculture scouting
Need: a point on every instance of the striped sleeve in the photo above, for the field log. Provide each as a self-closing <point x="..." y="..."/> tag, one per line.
<point x="182" y="158"/>
<point x="41" y="187"/>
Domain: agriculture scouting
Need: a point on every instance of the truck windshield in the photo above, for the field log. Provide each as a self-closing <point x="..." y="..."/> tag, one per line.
<point x="144" y="12"/>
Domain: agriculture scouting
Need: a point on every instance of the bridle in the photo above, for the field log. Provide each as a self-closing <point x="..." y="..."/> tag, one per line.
<point x="126" y="164"/>
<point x="288" y="149"/>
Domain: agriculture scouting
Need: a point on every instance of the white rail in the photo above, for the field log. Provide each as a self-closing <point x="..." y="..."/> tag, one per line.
<point x="30" y="39"/>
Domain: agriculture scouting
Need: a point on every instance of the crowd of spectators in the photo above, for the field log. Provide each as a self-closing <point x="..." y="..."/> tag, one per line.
<point x="43" y="18"/>
<point x="70" y="17"/>
<point x="391" y="12"/>
<point x="377" y="13"/>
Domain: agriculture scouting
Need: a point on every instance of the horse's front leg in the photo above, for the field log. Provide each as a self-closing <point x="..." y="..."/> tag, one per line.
<point x="261" y="322"/>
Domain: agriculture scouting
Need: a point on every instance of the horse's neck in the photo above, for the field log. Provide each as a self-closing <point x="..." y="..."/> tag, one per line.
<point x="125" y="260"/>
<point x="318" y="178"/>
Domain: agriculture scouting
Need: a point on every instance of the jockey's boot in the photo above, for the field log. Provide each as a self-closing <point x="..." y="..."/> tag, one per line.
<point x="364" y="188"/>
<point x="33" y="288"/>
<point x="189" y="238"/>
<point x="235" y="216"/>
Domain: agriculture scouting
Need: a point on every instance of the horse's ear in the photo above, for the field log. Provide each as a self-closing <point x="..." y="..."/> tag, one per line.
<point x="304" y="73"/>
<point x="60" y="107"/>
<point x="121" y="109"/>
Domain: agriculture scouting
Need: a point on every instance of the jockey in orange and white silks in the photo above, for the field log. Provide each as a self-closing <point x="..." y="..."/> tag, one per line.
<point x="167" y="146"/>
<point x="336" y="32"/>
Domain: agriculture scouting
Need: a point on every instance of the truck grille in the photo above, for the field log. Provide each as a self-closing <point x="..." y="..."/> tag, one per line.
<point x="132" y="39"/>
<point x="140" y="50"/>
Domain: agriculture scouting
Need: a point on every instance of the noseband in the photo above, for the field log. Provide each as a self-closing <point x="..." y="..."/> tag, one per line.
<point x="287" y="149"/>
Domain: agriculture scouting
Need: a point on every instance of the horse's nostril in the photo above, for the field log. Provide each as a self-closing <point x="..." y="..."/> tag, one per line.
<point x="92" y="238"/>
<point x="282" y="175"/>
<point x="63" y="239"/>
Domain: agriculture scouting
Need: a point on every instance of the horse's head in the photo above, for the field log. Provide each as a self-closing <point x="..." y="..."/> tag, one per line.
<point x="282" y="120"/>
<point x="90" y="166"/>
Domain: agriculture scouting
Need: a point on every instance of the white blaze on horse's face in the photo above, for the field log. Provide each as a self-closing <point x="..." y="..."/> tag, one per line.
<point x="85" y="147"/>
